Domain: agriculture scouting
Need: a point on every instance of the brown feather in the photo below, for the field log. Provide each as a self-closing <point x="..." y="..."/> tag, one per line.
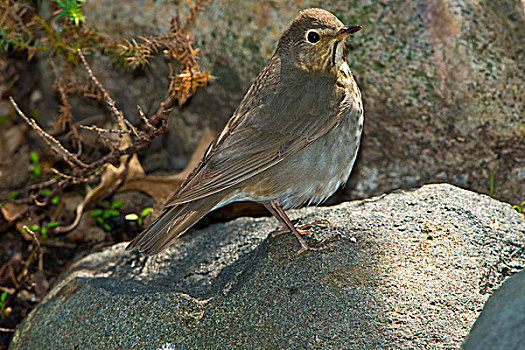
<point x="262" y="133"/>
<point x="171" y="224"/>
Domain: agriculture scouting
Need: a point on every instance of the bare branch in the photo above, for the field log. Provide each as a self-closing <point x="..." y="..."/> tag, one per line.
<point x="117" y="113"/>
<point x="146" y="121"/>
<point x="53" y="143"/>
<point x="33" y="234"/>
<point x="119" y="163"/>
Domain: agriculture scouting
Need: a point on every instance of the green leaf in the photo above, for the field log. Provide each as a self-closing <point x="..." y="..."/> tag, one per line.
<point x="106" y="203"/>
<point x="491" y="184"/>
<point x="34" y="227"/>
<point x="106" y="227"/>
<point x="37" y="170"/>
<point x="53" y="224"/>
<point x="145" y="212"/>
<point x="110" y="212"/>
<point x="55" y="200"/>
<point x="45" y="192"/>
<point x="131" y="217"/>
<point x="117" y="204"/>
<point x="34" y="157"/>
<point x="3" y="297"/>
<point x="71" y="9"/>
<point x="95" y="212"/>
<point x="100" y="220"/>
<point x="43" y="231"/>
<point x="113" y="212"/>
<point x="13" y="195"/>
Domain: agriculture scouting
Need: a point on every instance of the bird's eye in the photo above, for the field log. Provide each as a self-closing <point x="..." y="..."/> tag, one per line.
<point x="312" y="36"/>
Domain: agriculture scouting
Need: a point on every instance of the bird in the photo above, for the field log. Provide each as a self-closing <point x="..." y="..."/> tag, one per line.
<point x="292" y="141"/>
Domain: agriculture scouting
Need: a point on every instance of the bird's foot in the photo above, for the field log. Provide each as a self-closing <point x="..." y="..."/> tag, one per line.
<point x="325" y="244"/>
<point x="302" y="228"/>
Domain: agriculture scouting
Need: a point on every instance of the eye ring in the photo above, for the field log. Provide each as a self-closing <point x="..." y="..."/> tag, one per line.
<point x="312" y="36"/>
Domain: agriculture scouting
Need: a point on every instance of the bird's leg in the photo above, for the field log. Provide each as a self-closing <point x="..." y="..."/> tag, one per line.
<point x="275" y="208"/>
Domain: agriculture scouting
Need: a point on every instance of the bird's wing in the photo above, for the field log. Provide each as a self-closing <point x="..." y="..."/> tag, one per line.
<point x="275" y="120"/>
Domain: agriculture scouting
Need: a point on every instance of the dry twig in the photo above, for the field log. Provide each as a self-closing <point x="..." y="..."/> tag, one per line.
<point x="121" y="150"/>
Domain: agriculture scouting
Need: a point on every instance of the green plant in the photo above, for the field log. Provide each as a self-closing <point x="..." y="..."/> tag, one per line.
<point x="72" y="10"/>
<point x="44" y="229"/>
<point x="46" y="192"/>
<point x="491" y="184"/>
<point x="138" y="218"/>
<point x="519" y="207"/>
<point x="13" y="195"/>
<point x="110" y="210"/>
<point x="3" y="304"/>
<point x="36" y="168"/>
<point x="55" y="200"/>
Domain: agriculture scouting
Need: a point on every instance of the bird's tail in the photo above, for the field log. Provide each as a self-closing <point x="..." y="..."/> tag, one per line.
<point x="171" y="224"/>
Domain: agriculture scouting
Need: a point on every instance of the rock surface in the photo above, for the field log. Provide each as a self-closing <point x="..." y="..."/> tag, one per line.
<point x="411" y="270"/>
<point x="443" y="82"/>
<point x="501" y="324"/>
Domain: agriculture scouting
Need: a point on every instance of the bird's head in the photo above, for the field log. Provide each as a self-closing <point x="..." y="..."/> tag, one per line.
<point x="315" y="41"/>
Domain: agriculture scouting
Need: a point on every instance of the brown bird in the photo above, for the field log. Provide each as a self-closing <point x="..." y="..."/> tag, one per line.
<point x="292" y="141"/>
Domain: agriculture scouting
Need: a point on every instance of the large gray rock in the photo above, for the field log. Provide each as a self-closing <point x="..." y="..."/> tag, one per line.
<point x="410" y="271"/>
<point x="501" y="324"/>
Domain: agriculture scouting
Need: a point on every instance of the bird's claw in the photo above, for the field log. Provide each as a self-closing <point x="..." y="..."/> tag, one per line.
<point x="325" y="244"/>
<point x="302" y="228"/>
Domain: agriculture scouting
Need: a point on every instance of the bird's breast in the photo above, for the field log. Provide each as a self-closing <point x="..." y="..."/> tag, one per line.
<point x="316" y="172"/>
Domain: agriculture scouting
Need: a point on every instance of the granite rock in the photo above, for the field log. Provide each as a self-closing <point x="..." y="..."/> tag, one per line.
<point x="410" y="270"/>
<point x="501" y="324"/>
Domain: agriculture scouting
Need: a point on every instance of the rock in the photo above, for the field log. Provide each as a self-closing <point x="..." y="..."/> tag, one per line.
<point x="442" y="81"/>
<point x="501" y="324"/>
<point x="410" y="271"/>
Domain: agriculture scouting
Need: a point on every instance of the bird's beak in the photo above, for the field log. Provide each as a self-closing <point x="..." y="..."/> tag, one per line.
<point x="347" y="30"/>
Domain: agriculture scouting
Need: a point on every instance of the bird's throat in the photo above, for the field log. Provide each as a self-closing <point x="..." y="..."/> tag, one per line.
<point x="338" y="56"/>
